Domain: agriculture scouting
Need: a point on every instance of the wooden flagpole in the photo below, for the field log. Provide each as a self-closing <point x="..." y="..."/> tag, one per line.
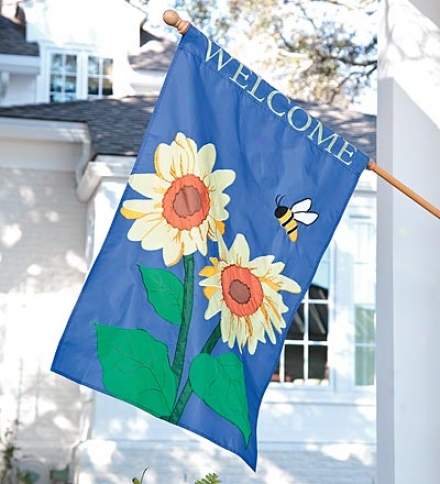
<point x="373" y="166"/>
<point x="171" y="17"/>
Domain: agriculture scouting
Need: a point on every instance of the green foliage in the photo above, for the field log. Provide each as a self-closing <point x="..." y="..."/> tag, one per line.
<point x="8" y="450"/>
<point x="321" y="50"/>
<point x="324" y="50"/>
<point x="135" y="480"/>
<point x="209" y="479"/>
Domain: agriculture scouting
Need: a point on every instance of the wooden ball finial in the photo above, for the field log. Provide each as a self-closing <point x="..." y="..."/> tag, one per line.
<point x="171" y="17"/>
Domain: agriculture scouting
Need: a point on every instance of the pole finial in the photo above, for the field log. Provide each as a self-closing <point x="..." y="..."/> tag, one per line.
<point x="171" y="17"/>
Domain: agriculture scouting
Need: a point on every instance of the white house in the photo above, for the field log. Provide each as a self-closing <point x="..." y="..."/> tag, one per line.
<point x="78" y="83"/>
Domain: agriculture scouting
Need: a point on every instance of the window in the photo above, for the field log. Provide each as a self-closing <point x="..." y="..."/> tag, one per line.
<point x="305" y="355"/>
<point x="363" y="290"/>
<point x="331" y="339"/>
<point x="63" y="77"/>
<point x="79" y="76"/>
<point x="99" y="82"/>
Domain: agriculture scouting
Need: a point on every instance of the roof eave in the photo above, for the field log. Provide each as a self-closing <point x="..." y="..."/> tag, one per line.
<point x="20" y="64"/>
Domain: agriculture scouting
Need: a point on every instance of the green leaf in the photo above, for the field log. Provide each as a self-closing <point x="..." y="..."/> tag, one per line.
<point x="136" y="369"/>
<point x="219" y="382"/>
<point x="209" y="479"/>
<point x="164" y="293"/>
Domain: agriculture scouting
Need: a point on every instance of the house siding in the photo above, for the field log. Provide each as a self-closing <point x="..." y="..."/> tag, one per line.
<point x="21" y="89"/>
<point x="42" y="239"/>
<point x="185" y="462"/>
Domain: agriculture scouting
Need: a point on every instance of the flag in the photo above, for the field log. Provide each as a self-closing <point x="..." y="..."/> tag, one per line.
<point x="232" y="201"/>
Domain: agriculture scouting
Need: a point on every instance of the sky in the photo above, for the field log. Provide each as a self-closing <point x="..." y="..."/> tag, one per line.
<point x="366" y="103"/>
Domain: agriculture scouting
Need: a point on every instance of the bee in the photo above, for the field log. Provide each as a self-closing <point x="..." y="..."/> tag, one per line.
<point x="289" y="217"/>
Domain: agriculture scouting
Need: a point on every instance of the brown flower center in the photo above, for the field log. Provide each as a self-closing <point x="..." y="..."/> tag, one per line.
<point x="242" y="290"/>
<point x="186" y="203"/>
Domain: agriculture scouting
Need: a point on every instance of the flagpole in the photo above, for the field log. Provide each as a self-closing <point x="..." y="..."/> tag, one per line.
<point x="373" y="166"/>
<point x="171" y="18"/>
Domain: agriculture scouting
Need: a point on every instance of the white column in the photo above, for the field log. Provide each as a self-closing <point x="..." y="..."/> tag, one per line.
<point x="408" y="262"/>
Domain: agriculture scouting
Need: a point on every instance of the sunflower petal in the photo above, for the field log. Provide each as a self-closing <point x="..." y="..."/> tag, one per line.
<point x="206" y="159"/>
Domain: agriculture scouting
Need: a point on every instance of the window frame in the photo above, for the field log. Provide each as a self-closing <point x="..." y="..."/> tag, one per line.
<point x="342" y="386"/>
<point x="82" y="75"/>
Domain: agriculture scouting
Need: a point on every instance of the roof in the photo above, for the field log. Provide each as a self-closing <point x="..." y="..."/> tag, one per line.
<point x="13" y="39"/>
<point x="357" y="128"/>
<point x="155" y="53"/>
<point x="117" y="125"/>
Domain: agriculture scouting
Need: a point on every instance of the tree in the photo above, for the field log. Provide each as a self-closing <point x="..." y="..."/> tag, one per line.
<point x="324" y="50"/>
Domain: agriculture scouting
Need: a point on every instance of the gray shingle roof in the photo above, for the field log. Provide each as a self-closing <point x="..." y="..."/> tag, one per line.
<point x="155" y="53"/>
<point x="13" y="39"/>
<point x="357" y="128"/>
<point x="117" y="125"/>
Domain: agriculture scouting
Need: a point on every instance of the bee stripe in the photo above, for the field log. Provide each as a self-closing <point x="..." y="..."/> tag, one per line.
<point x="283" y="224"/>
<point x="292" y="230"/>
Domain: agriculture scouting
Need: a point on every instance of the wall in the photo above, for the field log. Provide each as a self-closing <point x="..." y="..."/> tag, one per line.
<point x="306" y="436"/>
<point x="408" y="328"/>
<point x="20" y="89"/>
<point x="42" y="267"/>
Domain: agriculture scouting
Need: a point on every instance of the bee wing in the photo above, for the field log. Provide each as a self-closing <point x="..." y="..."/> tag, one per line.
<point x="305" y="218"/>
<point x="302" y="205"/>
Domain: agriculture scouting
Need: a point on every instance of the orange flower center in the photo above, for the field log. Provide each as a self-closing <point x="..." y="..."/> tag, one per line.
<point x="186" y="203"/>
<point x="241" y="290"/>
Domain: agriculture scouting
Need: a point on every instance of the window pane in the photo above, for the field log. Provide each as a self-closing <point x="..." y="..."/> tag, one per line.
<point x="56" y="63"/>
<point x="364" y="325"/>
<point x="363" y="291"/>
<point x="107" y="87"/>
<point x="56" y="83"/>
<point x="70" y="84"/>
<point x="318" y="368"/>
<point x="296" y="330"/>
<point x="107" y="67"/>
<point x="71" y="64"/>
<point x="318" y="322"/>
<point x="365" y="369"/>
<point x="56" y="98"/>
<point x="322" y="275"/>
<point x="93" y="66"/>
<point x="93" y="87"/>
<point x="70" y="97"/>
<point x="294" y="363"/>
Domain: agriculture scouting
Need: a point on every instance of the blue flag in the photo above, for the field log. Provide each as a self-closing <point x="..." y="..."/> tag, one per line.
<point x="233" y="199"/>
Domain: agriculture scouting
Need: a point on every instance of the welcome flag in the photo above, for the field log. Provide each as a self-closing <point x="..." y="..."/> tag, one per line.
<point x="232" y="201"/>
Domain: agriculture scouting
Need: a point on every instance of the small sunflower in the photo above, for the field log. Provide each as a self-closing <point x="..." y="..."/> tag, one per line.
<point x="246" y="294"/>
<point x="186" y="203"/>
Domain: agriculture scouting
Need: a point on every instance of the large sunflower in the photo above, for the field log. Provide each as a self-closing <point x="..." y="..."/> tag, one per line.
<point x="246" y="293"/>
<point x="187" y="203"/>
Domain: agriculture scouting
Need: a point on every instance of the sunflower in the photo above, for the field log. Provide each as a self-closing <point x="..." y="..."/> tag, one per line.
<point x="186" y="203"/>
<point x="246" y="294"/>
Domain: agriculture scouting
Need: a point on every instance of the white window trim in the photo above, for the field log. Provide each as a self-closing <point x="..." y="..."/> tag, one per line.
<point x="82" y="53"/>
<point x="342" y="388"/>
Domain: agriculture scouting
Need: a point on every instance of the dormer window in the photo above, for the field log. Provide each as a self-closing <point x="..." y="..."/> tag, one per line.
<point x="63" y="77"/>
<point x="100" y="73"/>
<point x="79" y="76"/>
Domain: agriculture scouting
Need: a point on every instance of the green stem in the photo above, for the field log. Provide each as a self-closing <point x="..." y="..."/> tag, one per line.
<point x="188" y="300"/>
<point x="187" y="389"/>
